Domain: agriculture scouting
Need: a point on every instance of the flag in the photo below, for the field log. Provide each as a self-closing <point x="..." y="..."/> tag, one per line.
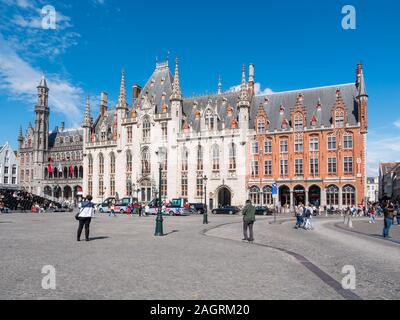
<point x="49" y="167"/>
<point x="71" y="169"/>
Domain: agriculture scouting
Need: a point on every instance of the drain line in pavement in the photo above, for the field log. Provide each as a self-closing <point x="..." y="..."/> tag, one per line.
<point x="326" y="278"/>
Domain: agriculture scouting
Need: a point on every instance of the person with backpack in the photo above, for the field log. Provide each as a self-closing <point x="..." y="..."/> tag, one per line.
<point x="85" y="215"/>
<point x="307" y="218"/>
<point x="299" y="216"/>
<point x="249" y="217"/>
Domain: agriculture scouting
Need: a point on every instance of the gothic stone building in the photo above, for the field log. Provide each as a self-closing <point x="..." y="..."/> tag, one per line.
<point x="50" y="161"/>
<point x="312" y="143"/>
<point x="226" y="137"/>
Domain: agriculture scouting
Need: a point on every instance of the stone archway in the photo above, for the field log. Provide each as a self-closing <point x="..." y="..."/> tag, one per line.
<point x="67" y="193"/>
<point x="314" y="195"/>
<point x="57" y="192"/>
<point x="224" y="197"/>
<point x="284" y="196"/>
<point x="299" y="195"/>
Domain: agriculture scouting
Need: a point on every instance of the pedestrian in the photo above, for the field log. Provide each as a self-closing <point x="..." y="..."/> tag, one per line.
<point x="249" y="217"/>
<point x="299" y="216"/>
<point x="307" y="218"/>
<point x="85" y="215"/>
<point x="397" y="213"/>
<point x="388" y="219"/>
<point x="147" y="210"/>
<point x="112" y="210"/>
<point x="372" y="214"/>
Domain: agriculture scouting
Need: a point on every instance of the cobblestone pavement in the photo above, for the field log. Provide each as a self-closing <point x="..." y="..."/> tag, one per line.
<point x="125" y="260"/>
<point x="375" y="261"/>
<point x="362" y="225"/>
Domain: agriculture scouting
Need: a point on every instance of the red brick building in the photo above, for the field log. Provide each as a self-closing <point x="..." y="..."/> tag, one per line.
<point x="312" y="143"/>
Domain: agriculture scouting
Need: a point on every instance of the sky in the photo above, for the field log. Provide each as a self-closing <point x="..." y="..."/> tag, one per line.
<point x="293" y="45"/>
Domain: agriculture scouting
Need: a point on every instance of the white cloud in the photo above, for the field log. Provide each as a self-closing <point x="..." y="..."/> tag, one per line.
<point x="19" y="79"/>
<point x="397" y="124"/>
<point x="257" y="89"/>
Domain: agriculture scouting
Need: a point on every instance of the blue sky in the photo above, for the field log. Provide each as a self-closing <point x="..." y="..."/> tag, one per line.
<point x="293" y="44"/>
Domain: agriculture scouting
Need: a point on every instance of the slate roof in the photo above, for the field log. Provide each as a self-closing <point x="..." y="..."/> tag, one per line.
<point x="53" y="135"/>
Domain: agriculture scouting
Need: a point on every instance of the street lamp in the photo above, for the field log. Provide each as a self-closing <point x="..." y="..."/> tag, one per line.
<point x="205" y="214"/>
<point x="159" y="219"/>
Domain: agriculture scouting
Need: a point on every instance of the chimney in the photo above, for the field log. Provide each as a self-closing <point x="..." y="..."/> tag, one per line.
<point x="136" y="89"/>
<point x="103" y="103"/>
<point x="251" y="78"/>
<point x="62" y="126"/>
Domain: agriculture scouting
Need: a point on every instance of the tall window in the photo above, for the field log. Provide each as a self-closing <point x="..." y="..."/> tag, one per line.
<point x="332" y="166"/>
<point x="199" y="158"/>
<point x="284" y="146"/>
<point x="199" y="185"/>
<point x="332" y="195"/>
<point x="101" y="163"/>
<point x="261" y="126"/>
<point x="314" y="166"/>
<point x="314" y="144"/>
<point x="268" y="146"/>
<point x="254" y="168"/>
<point x="267" y="195"/>
<point x="112" y="185"/>
<point x="164" y="131"/>
<point x="331" y="142"/>
<point x="298" y="144"/>
<point x="268" y="167"/>
<point x="255" y="195"/>
<point x="112" y="163"/>
<point x="209" y="120"/>
<point x="339" y="119"/>
<point x="215" y="161"/>
<point x="349" y="195"/>
<point x="128" y="161"/>
<point x="101" y="187"/>
<point x="348" y="141"/>
<point x="298" y="167"/>
<point x="284" y="168"/>
<point x="185" y="156"/>
<point x="129" y="134"/>
<point x="348" y="165"/>
<point x="298" y="122"/>
<point x="184" y="184"/>
<point x="232" y="157"/>
<point x="254" y="147"/>
<point x="146" y="129"/>
<point x="145" y="161"/>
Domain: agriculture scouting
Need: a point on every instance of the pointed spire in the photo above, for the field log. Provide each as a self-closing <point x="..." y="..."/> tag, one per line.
<point x="362" y="90"/>
<point x="43" y="82"/>
<point x="122" y="104"/>
<point x="87" y="119"/>
<point x="243" y="100"/>
<point x="176" y="87"/>
<point x="219" y="84"/>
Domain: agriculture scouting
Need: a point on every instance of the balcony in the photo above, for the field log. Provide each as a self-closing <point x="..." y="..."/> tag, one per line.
<point x="106" y="143"/>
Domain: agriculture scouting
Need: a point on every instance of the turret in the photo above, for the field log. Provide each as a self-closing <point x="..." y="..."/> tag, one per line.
<point x="87" y="121"/>
<point x="20" y="138"/>
<point x="122" y="103"/>
<point x="41" y="130"/>
<point x="176" y="98"/>
<point x="243" y="106"/>
<point x="251" y="79"/>
<point x="362" y="99"/>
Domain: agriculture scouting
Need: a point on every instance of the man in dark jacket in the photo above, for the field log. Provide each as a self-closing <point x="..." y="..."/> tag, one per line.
<point x="249" y="216"/>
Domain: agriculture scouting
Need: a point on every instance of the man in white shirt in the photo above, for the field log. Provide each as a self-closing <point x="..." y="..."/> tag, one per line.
<point x="86" y="213"/>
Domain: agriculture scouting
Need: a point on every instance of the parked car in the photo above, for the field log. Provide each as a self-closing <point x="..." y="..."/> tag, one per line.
<point x="263" y="211"/>
<point x="226" y="210"/>
<point x="198" y="207"/>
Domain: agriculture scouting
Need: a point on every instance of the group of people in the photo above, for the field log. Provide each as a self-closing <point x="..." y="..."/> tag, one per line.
<point x="391" y="213"/>
<point x="304" y="215"/>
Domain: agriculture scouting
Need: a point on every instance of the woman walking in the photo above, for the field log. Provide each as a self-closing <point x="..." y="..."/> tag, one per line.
<point x="85" y="215"/>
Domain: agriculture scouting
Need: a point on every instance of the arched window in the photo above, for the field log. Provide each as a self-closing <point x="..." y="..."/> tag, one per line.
<point x="146" y="129"/>
<point x="255" y="195"/>
<point x="267" y="195"/>
<point x="112" y="163"/>
<point x="146" y="161"/>
<point x="215" y="158"/>
<point x="90" y="164"/>
<point x="185" y="156"/>
<point x="81" y="172"/>
<point x="332" y="195"/>
<point x="349" y="195"/>
<point x="101" y="163"/>
<point x="199" y="158"/>
<point x="128" y="161"/>
<point x="232" y="157"/>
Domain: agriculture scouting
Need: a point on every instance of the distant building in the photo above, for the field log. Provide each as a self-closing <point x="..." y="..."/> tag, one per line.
<point x="372" y="189"/>
<point x="50" y="161"/>
<point x="8" y="167"/>
<point x="389" y="176"/>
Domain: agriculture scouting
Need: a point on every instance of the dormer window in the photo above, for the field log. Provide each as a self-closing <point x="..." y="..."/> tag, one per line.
<point x="285" y="124"/>
<point x="210" y="120"/>
<point x="298" y="122"/>
<point x="339" y="119"/>
<point x="261" y="126"/>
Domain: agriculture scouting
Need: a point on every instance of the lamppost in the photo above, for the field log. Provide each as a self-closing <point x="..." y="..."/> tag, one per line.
<point x="205" y="214"/>
<point x="159" y="219"/>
